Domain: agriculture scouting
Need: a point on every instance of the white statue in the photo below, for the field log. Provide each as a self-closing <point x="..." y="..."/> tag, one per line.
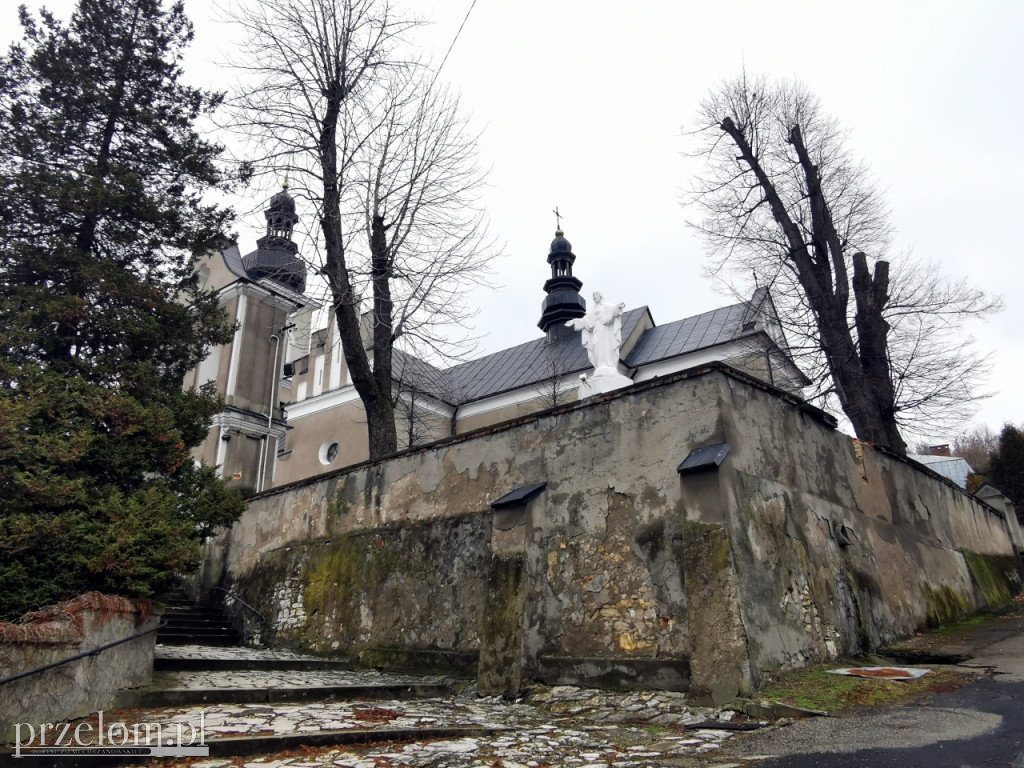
<point x="602" y="337"/>
<point x="602" y="332"/>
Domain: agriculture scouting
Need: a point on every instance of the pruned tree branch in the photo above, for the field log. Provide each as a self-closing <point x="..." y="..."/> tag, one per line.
<point x="783" y="201"/>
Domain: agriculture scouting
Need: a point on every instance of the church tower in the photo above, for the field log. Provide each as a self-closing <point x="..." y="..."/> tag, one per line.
<point x="563" y="301"/>
<point x="275" y="255"/>
<point x="260" y="292"/>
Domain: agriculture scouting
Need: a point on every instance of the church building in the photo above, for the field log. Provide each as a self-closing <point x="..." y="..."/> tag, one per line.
<point x="291" y="411"/>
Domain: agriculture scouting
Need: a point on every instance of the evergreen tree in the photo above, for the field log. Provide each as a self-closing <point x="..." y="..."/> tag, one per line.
<point x="101" y="219"/>
<point x="1006" y="466"/>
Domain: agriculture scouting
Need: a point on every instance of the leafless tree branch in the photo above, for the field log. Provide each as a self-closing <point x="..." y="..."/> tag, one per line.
<point x="783" y="200"/>
<point x="380" y="153"/>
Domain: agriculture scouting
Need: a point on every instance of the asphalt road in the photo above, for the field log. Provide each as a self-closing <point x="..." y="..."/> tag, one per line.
<point x="981" y="724"/>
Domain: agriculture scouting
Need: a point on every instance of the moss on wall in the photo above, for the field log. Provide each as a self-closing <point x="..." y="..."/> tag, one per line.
<point x="336" y="576"/>
<point x="415" y="585"/>
<point x="944" y="606"/>
<point x="994" y="576"/>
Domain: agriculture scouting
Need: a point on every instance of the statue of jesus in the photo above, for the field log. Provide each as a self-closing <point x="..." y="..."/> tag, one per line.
<point x="602" y="333"/>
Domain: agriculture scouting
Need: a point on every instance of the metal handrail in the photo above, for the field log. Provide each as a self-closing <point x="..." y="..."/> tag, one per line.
<point x="233" y="596"/>
<point x="82" y="655"/>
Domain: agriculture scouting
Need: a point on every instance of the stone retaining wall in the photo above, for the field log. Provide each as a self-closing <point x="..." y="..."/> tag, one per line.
<point x="803" y="544"/>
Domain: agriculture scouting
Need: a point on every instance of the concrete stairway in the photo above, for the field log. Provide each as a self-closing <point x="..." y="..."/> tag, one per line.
<point x="186" y="623"/>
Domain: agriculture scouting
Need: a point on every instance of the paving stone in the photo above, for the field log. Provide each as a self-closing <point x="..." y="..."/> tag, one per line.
<point x="228" y="652"/>
<point x="556" y="726"/>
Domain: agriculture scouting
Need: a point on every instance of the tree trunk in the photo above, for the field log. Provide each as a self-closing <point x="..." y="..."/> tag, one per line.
<point x="859" y="369"/>
<point x="383" y="435"/>
<point x="871" y="294"/>
<point x="372" y="384"/>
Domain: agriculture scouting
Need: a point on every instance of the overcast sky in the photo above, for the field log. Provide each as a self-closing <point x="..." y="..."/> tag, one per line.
<point x="585" y="107"/>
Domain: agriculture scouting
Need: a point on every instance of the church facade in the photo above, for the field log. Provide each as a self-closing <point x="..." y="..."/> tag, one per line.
<point x="291" y="410"/>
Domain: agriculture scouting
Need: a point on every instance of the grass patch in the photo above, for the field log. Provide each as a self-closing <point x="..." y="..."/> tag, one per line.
<point x="815" y="688"/>
<point x="950" y="629"/>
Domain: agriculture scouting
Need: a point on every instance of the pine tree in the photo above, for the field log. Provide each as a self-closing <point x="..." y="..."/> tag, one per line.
<point x="101" y="218"/>
<point x="1006" y="466"/>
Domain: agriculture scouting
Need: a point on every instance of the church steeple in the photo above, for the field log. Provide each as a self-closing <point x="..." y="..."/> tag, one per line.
<point x="281" y="217"/>
<point x="563" y="301"/>
<point x="275" y="256"/>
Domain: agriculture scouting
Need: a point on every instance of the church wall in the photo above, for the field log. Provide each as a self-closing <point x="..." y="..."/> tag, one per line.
<point x="254" y="365"/>
<point x="214" y="273"/>
<point x="207" y="450"/>
<point x="231" y="310"/>
<point x="757" y="363"/>
<point x="418" y="422"/>
<point x="802" y="545"/>
<point x="344" y="424"/>
<point x="514" y="411"/>
<point x="242" y="461"/>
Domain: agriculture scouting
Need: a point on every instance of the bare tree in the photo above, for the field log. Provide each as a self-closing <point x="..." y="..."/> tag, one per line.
<point x="784" y="201"/>
<point x="423" y="401"/>
<point x="383" y="156"/>
<point x="977" y="446"/>
<point x="555" y="388"/>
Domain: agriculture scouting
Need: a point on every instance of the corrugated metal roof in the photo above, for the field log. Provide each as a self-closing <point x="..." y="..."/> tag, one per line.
<point x="955" y="468"/>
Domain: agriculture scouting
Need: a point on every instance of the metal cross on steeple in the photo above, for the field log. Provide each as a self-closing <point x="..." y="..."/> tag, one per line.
<point x="558" y="218"/>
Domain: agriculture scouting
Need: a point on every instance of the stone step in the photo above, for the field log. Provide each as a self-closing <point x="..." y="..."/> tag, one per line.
<point x="187" y="623"/>
<point x="564" y="725"/>
<point x="199" y="610"/>
<point x="180" y="624"/>
<point x="197" y="657"/>
<point x="243" y="746"/>
<point x="208" y="630"/>
<point x="184" y="697"/>
<point x="220" y="639"/>
<point x="251" y="665"/>
<point x="194" y="614"/>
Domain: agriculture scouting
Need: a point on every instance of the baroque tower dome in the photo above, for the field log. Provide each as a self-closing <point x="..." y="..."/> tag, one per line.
<point x="275" y="256"/>
<point x="563" y="301"/>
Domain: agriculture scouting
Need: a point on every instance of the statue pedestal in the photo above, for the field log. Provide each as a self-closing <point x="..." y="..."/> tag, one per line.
<point x="602" y="380"/>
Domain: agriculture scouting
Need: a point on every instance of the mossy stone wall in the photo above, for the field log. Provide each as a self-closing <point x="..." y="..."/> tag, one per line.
<point x="412" y="585"/>
<point x="802" y="545"/>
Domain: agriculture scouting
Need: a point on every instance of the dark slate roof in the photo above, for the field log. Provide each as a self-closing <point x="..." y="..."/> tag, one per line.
<point x="282" y="267"/>
<point x="690" y="334"/>
<point x="538" y="360"/>
<point x="275" y="259"/>
<point x="233" y="261"/>
<point x="525" y="364"/>
<point x="413" y="373"/>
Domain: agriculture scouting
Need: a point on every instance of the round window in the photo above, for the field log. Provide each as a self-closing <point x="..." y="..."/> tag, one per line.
<point x="328" y="453"/>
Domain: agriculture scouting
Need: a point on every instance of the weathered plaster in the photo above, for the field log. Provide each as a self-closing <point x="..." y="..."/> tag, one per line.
<point x="85" y="685"/>
<point x="802" y="545"/>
